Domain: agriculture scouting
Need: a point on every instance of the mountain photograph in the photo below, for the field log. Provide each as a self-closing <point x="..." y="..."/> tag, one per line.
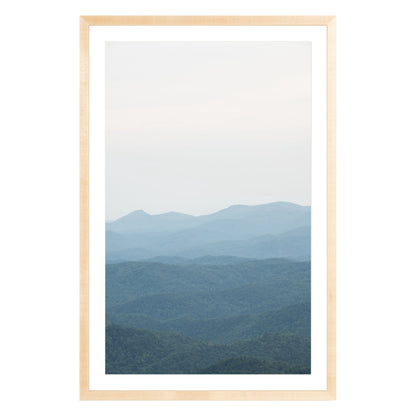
<point x="207" y="191"/>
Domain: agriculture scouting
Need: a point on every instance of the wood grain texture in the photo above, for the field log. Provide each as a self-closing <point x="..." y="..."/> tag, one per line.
<point x="84" y="206"/>
<point x="331" y="209"/>
<point x="218" y="395"/>
<point x="85" y="22"/>
<point x="207" y="20"/>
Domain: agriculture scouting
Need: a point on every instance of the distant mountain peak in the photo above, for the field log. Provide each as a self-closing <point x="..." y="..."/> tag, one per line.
<point x="172" y="214"/>
<point x="232" y="223"/>
<point x="138" y="212"/>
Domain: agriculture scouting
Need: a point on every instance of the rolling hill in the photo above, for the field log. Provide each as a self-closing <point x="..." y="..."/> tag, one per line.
<point x="294" y="319"/>
<point x="249" y="365"/>
<point x="225" y="293"/>
<point x="127" y="281"/>
<point x="135" y="351"/>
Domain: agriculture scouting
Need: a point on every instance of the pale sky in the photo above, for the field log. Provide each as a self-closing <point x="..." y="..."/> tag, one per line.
<point x="195" y="127"/>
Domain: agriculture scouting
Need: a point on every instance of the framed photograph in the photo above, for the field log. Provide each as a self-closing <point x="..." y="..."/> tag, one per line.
<point x="207" y="208"/>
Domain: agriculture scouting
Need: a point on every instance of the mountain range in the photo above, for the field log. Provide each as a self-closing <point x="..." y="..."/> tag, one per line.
<point x="279" y="229"/>
<point x="226" y="293"/>
<point x="196" y="317"/>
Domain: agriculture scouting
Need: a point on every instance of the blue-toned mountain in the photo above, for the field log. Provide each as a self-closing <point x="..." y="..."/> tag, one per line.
<point x="279" y="229"/>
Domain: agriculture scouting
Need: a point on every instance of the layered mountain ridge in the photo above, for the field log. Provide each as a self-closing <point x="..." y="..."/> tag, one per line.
<point x="225" y="293"/>
<point x="279" y="229"/>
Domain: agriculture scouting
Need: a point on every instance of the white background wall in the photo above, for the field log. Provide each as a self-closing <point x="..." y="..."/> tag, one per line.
<point x="39" y="208"/>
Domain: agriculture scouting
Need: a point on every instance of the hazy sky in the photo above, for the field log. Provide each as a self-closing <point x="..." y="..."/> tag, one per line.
<point x="195" y="127"/>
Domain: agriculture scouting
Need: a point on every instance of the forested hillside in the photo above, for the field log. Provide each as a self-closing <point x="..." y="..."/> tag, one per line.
<point x="139" y="351"/>
<point x="228" y="292"/>
<point x="249" y="317"/>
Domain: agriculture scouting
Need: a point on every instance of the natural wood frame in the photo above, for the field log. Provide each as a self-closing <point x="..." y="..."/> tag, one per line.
<point x="85" y="23"/>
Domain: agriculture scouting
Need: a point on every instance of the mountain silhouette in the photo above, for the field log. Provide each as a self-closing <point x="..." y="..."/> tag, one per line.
<point x="279" y="229"/>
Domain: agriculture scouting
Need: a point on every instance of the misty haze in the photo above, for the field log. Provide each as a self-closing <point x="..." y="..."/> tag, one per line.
<point x="208" y="208"/>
